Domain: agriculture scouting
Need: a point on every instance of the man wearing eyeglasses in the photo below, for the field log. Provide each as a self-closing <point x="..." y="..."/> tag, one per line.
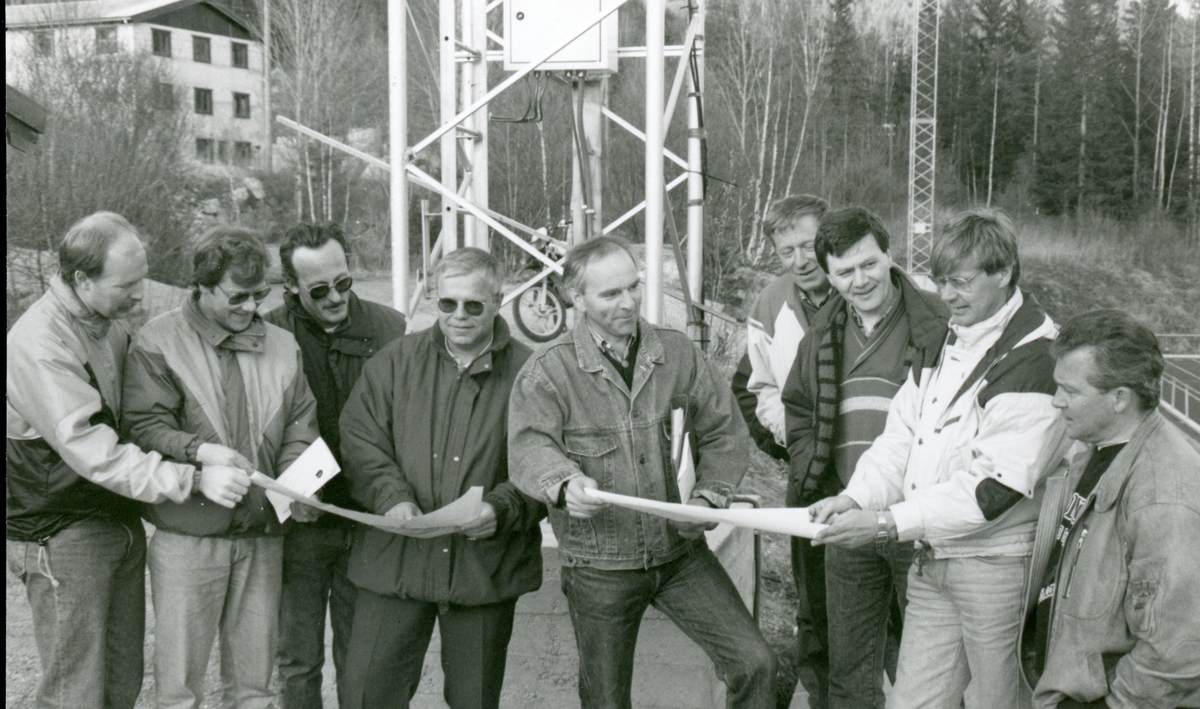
<point x="426" y="422"/>
<point x="955" y="471"/>
<point x="850" y="364"/>
<point x="213" y="371"/>
<point x="337" y="332"/>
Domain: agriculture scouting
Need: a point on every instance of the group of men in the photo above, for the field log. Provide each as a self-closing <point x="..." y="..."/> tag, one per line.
<point x="928" y="429"/>
<point x="931" y="427"/>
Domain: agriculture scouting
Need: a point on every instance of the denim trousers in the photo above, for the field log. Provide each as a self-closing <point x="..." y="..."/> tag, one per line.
<point x="86" y="586"/>
<point x="315" y="560"/>
<point x="202" y="585"/>
<point x="960" y="634"/>
<point x="695" y="592"/>
<point x="391" y="636"/>
<point x="812" y="621"/>
<point x="865" y="588"/>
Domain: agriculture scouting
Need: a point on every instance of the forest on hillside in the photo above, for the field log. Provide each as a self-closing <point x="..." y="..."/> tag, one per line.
<point x="1073" y="109"/>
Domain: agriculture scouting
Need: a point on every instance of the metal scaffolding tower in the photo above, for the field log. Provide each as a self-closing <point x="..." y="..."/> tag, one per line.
<point x="922" y="136"/>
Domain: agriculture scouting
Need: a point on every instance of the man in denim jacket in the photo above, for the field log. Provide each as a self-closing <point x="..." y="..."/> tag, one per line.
<point x="593" y="410"/>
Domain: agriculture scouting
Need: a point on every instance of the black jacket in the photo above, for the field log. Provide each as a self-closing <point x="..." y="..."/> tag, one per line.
<point x="332" y="365"/>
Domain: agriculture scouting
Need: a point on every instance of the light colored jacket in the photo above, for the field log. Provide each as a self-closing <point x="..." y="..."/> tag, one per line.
<point x="65" y="461"/>
<point x="939" y="444"/>
<point x="1126" y="625"/>
<point x="776" y="324"/>
<point x="571" y="414"/>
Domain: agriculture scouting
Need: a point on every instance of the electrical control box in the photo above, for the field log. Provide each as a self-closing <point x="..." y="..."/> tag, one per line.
<point x="534" y="27"/>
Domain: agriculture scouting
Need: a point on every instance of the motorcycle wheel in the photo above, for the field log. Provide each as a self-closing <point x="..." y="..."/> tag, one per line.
<point x="540" y="313"/>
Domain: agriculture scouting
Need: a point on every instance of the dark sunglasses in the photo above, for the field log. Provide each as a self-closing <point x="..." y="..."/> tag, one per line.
<point x="240" y="298"/>
<point x="449" y="305"/>
<point x="321" y="292"/>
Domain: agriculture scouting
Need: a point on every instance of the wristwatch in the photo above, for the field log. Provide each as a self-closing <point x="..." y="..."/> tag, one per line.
<point x="882" y="535"/>
<point x="561" y="502"/>
<point x="196" y="479"/>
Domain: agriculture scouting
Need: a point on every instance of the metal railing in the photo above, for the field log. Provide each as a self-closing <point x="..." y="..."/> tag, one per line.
<point x="1181" y="390"/>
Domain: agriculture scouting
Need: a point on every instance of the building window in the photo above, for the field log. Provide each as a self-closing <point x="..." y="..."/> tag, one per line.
<point x="43" y="44"/>
<point x="204" y="149"/>
<point x="202" y="49"/>
<point x="243" y="154"/>
<point x="241" y="105"/>
<point x="161" y="42"/>
<point x="204" y="101"/>
<point x="241" y="55"/>
<point x="106" y="40"/>
<point x="164" y="95"/>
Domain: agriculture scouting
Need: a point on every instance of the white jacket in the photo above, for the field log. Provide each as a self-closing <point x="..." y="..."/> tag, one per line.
<point x="776" y="325"/>
<point x="983" y="411"/>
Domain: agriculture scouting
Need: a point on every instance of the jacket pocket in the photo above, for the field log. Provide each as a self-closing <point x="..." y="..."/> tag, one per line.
<point x="595" y="452"/>
<point x="1141" y="598"/>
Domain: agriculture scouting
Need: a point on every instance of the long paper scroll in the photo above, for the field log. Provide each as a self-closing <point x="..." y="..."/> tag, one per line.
<point x="793" y="521"/>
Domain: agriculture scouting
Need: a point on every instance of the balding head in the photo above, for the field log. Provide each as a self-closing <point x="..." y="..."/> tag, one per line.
<point x="103" y="260"/>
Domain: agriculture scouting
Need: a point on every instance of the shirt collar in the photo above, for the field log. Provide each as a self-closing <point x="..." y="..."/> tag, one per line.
<point x="619" y="353"/>
<point x="92" y="322"/>
<point x="971" y="335"/>
<point x="251" y="339"/>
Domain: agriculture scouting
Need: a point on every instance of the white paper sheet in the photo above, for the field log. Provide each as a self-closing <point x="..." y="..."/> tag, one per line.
<point x="307" y="474"/>
<point x="687" y="470"/>
<point x="782" y="520"/>
<point x="446" y="520"/>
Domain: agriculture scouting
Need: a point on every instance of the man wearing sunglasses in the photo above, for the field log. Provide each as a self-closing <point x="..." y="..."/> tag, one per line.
<point x="337" y="332"/>
<point x="213" y="371"/>
<point x="955" y="471"/>
<point x="426" y="422"/>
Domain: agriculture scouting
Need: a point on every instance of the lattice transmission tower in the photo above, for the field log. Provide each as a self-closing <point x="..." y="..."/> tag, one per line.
<point x="922" y="136"/>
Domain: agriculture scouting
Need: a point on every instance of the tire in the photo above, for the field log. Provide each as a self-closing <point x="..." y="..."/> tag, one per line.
<point x="540" y="313"/>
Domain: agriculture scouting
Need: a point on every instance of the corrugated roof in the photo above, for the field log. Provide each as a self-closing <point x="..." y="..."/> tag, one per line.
<point x="94" y="12"/>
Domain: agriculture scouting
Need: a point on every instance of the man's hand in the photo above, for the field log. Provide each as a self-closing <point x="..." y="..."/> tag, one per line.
<point x="303" y="513"/>
<point x="223" y="484"/>
<point x="821" y="511"/>
<point x="403" y="512"/>
<point x="579" y="503"/>
<point x="851" y="529"/>
<point x="482" y="526"/>
<point x="217" y="454"/>
<point x="695" y="530"/>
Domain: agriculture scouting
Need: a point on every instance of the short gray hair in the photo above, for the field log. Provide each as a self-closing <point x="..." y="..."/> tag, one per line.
<point x="984" y="234"/>
<point x="582" y="254"/>
<point x="467" y="260"/>
<point x="787" y="212"/>
<point x="85" y="247"/>
<point x="1125" y="352"/>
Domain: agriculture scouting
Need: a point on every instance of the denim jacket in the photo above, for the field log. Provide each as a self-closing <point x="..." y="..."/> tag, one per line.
<point x="571" y="414"/>
<point x="1125" y="627"/>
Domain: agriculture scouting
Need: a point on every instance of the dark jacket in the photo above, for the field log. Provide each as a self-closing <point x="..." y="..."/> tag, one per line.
<point x="332" y="365"/>
<point x="927" y="318"/>
<point x="416" y="430"/>
<point x="174" y="401"/>
<point x="1124" y="626"/>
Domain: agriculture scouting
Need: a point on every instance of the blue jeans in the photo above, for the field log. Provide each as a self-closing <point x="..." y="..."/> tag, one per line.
<point x="204" y="584"/>
<point x="695" y="592"/>
<point x="86" y="586"/>
<point x="315" y="560"/>
<point x="391" y="636"/>
<point x="960" y="635"/>
<point x="863" y="586"/>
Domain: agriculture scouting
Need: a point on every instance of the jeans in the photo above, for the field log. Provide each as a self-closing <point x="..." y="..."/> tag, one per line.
<point x="86" y="586"/>
<point x="864" y="587"/>
<point x="391" y="636"/>
<point x="695" y="592"/>
<point x="204" y="584"/>
<point x="960" y="634"/>
<point x="315" y="560"/>
<point x="812" y="621"/>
